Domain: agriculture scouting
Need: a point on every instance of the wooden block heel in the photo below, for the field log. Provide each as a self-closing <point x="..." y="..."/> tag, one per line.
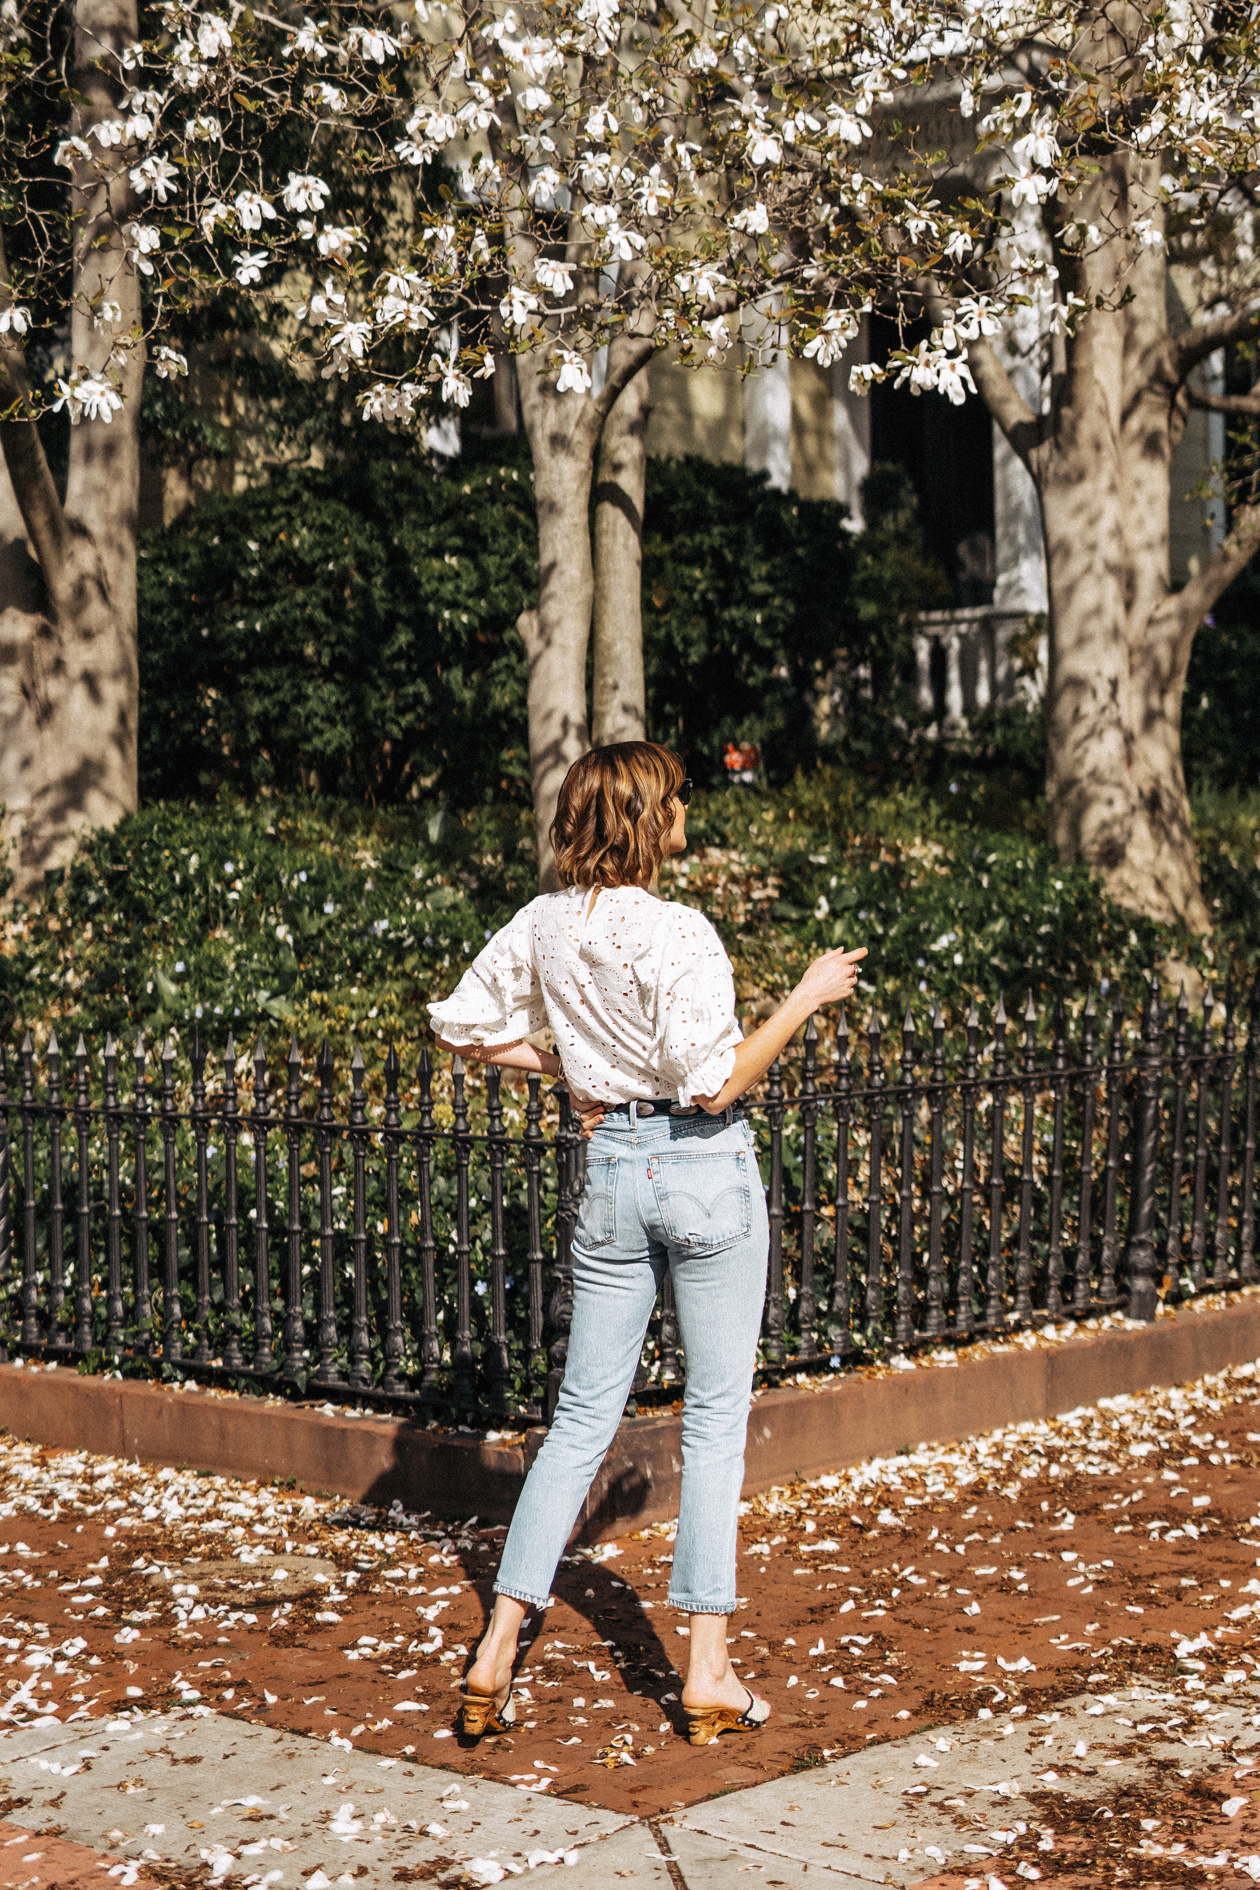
<point x="705" y="1723"/>
<point x="482" y="1713"/>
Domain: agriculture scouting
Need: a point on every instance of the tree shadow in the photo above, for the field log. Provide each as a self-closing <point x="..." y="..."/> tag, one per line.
<point x="612" y="1609"/>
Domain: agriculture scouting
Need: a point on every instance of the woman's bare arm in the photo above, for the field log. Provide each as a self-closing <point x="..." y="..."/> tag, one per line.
<point x="508" y="1056"/>
<point x="829" y="980"/>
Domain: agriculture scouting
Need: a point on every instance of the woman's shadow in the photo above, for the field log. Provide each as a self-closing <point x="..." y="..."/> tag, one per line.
<point x="611" y="1607"/>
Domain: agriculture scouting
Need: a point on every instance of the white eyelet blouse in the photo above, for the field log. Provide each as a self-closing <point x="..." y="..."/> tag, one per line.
<point x="638" y="993"/>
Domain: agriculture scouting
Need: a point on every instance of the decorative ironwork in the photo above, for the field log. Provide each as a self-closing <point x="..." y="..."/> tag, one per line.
<point x="424" y="1254"/>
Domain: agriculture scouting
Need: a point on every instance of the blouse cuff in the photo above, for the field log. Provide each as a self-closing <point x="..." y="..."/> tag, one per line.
<point x="454" y="1028"/>
<point x="709" y="1078"/>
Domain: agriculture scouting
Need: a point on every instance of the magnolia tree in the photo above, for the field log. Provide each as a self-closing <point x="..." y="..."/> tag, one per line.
<point x="1109" y="144"/>
<point x="579" y="185"/>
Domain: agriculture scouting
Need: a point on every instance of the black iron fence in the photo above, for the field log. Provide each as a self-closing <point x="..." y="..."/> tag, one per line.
<point x="413" y="1245"/>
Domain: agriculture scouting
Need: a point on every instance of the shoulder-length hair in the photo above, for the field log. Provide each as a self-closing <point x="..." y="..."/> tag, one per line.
<point x="614" y="815"/>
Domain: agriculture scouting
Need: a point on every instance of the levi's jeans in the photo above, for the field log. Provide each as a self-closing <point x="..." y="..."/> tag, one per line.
<point x="676" y="1192"/>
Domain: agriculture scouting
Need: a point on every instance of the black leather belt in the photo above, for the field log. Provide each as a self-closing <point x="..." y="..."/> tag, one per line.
<point x="663" y="1106"/>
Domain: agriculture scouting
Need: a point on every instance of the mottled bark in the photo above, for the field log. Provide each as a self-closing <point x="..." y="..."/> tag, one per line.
<point x="68" y="671"/>
<point x="564" y="433"/>
<point x="619" y="707"/>
<point x="1120" y="636"/>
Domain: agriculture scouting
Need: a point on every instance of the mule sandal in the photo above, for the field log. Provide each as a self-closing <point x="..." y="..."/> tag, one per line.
<point x="704" y="1723"/>
<point x="482" y="1713"/>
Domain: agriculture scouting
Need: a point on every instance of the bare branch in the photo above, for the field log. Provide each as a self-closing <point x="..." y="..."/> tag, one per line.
<point x="1204" y="339"/>
<point x="1022" y="427"/>
<point x="23" y="450"/>
<point x="1225" y="564"/>
<point x="623" y="364"/>
<point x="1226" y="403"/>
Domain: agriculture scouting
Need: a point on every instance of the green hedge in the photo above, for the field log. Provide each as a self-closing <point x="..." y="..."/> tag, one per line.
<point x="350" y="631"/>
<point x="294" y="916"/>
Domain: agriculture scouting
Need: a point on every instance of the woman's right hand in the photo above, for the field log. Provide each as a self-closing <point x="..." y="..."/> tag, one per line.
<point x="832" y="978"/>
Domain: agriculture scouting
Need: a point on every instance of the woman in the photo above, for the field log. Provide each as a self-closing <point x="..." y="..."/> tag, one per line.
<point x="640" y="998"/>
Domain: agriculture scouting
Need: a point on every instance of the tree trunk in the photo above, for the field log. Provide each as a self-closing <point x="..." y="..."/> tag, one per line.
<point x="69" y="701"/>
<point x="563" y="431"/>
<point x="564" y="434"/>
<point x="1115" y="786"/>
<point x="619" y="701"/>
<point x="1120" y="636"/>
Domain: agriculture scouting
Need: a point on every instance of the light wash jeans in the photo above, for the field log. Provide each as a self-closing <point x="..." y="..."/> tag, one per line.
<point x="682" y="1192"/>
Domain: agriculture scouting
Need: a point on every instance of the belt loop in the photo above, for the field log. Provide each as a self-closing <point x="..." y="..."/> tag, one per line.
<point x="729" y="1114"/>
<point x="634" y="1116"/>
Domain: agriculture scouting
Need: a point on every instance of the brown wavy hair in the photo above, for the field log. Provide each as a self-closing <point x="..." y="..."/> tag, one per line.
<point x="614" y="815"/>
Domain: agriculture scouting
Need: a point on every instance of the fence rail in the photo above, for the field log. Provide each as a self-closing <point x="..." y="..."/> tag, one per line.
<point x="415" y="1247"/>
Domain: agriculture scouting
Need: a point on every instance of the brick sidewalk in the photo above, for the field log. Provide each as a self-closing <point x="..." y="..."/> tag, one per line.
<point x="29" y="1862"/>
<point x="1019" y="1569"/>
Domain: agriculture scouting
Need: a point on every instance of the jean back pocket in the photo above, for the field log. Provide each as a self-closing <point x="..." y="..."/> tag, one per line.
<point x="703" y="1196"/>
<point x="597" y="1216"/>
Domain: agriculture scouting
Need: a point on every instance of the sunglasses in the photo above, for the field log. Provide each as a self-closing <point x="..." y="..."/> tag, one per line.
<point x="682" y="793"/>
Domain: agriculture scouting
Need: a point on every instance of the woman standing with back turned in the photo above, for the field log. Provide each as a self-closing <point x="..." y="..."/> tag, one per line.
<point x="640" y="998"/>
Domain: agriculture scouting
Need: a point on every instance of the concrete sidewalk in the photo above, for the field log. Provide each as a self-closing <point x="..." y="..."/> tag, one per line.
<point x="221" y="1802"/>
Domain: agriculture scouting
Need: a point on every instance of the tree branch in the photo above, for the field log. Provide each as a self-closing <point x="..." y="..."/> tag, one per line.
<point x="1226" y="403"/>
<point x="623" y="364"/>
<point x="1023" y="428"/>
<point x="29" y="474"/>
<point x="1225" y="564"/>
<point x="1201" y="341"/>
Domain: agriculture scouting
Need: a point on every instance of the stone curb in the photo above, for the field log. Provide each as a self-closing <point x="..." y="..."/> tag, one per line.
<point x="792" y="1431"/>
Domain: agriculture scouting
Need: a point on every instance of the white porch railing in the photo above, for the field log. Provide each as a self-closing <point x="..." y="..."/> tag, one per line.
<point x="973" y="658"/>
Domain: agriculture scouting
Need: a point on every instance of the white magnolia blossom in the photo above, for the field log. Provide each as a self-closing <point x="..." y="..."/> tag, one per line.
<point x="87" y="397"/>
<point x="1146" y="233"/>
<point x="753" y="220"/>
<point x="14" y="320"/>
<point x="214" y="36"/>
<point x="371" y="42"/>
<point x="574" y="376"/>
<point x="517" y="306"/>
<point x="253" y="210"/>
<point x="1031" y="187"/>
<point x="69" y="149"/>
<point x="156" y="174"/>
<point x="953" y="379"/>
<point x="338" y="243"/>
<point x="348" y="342"/>
<point x="304" y="192"/>
<point x="456" y="386"/>
<point x="764" y="147"/>
<point x="322" y="305"/>
<point x="705" y="284"/>
<point x="837" y="331"/>
<point x="618" y="178"/>
<point x="383" y="402"/>
<point x="212" y="214"/>
<point x="168" y="362"/>
<point x="555" y="277"/>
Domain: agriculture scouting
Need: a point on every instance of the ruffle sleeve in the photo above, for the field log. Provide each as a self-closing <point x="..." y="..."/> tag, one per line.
<point x="499" y="998"/>
<point x="697" y="1032"/>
